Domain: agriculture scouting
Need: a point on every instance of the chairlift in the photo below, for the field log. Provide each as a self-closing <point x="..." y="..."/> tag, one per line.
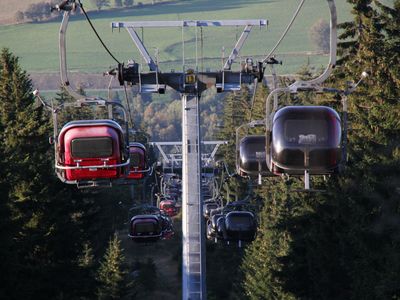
<point x="221" y="228"/>
<point x="138" y="164"/>
<point x="207" y="207"/>
<point x="168" y="206"/>
<point x="212" y="226"/>
<point x="305" y="138"/>
<point x="251" y="151"/>
<point x="91" y="150"/>
<point x="308" y="140"/>
<point x="145" y="228"/>
<point x="240" y="226"/>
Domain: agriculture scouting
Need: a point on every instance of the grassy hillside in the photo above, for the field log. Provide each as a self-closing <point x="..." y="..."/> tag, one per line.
<point x="37" y="44"/>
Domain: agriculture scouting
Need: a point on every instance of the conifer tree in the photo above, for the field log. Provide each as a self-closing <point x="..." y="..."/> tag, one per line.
<point x="111" y="272"/>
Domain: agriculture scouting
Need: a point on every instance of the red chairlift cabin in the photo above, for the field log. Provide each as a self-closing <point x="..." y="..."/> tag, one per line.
<point x="91" y="150"/>
<point x="168" y="206"/>
<point x="137" y="166"/>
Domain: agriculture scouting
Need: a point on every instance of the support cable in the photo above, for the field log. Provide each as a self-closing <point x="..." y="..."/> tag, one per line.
<point x="183" y="49"/>
<point x="201" y="49"/>
<point x="109" y="88"/>
<point x="253" y="99"/>
<point x="129" y="106"/>
<point x="95" y="32"/>
<point x="285" y="32"/>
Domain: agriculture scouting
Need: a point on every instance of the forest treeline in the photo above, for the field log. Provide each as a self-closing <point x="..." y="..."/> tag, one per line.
<point x="58" y="242"/>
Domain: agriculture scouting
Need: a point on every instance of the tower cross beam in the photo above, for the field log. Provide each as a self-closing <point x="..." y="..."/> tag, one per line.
<point x="189" y="23"/>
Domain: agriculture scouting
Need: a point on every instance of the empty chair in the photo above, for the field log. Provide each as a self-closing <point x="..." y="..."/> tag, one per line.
<point x="251" y="156"/>
<point x="145" y="228"/>
<point x="91" y="150"/>
<point x="137" y="165"/>
<point x="306" y="138"/>
<point x="240" y="226"/>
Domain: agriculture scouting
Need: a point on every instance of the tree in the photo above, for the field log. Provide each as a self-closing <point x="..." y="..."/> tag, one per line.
<point x="101" y="3"/>
<point x="128" y="3"/>
<point x="111" y="273"/>
<point x="319" y="35"/>
<point x="19" y="16"/>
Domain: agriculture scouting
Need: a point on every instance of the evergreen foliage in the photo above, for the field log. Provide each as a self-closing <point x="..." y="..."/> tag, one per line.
<point x="101" y="3"/>
<point x="111" y="272"/>
<point x="319" y="35"/>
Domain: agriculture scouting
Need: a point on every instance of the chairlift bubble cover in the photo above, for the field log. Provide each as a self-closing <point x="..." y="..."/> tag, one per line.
<point x="240" y="225"/>
<point x="137" y="155"/>
<point x="306" y="138"/>
<point x="252" y="158"/>
<point x="143" y="226"/>
<point x="91" y="143"/>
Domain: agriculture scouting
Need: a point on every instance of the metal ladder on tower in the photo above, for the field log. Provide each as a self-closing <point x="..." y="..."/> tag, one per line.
<point x="193" y="230"/>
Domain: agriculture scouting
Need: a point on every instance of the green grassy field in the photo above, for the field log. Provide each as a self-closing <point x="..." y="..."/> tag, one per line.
<point x="37" y="44"/>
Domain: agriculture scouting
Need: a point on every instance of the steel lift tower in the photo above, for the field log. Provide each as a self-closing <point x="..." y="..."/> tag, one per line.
<point x="190" y="83"/>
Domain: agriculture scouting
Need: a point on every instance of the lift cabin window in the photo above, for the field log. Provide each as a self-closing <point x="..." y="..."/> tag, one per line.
<point x="237" y="221"/>
<point x="136" y="160"/>
<point x="306" y="132"/>
<point x="145" y="228"/>
<point x="253" y="147"/>
<point x="95" y="147"/>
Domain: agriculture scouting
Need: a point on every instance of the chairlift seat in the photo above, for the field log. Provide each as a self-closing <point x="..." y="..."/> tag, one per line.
<point x="90" y="148"/>
<point x="306" y="138"/>
<point x="252" y="158"/>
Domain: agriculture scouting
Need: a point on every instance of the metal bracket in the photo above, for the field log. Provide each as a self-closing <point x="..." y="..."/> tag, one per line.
<point x="142" y="49"/>
<point x="238" y="46"/>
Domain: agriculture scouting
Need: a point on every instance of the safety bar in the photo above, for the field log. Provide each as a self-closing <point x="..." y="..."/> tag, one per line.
<point x="105" y="166"/>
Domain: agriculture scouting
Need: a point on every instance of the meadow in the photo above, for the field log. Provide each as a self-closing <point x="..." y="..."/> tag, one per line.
<point x="36" y="44"/>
